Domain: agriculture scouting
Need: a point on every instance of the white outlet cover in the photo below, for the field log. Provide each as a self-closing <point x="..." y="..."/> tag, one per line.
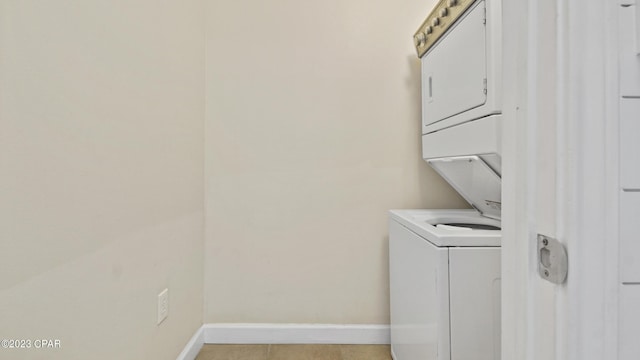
<point x="163" y="305"/>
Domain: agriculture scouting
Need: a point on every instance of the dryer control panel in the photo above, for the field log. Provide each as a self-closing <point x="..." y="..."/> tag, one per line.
<point x="438" y="22"/>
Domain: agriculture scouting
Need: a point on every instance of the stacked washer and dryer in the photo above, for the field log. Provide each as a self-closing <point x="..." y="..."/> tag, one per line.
<point x="445" y="264"/>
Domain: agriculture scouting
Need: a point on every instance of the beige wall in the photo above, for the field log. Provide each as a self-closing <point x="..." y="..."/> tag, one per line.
<point x="312" y="129"/>
<point x="312" y="119"/>
<point x="101" y="153"/>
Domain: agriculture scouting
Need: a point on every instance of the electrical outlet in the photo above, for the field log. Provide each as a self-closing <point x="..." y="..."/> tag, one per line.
<point x="163" y="305"/>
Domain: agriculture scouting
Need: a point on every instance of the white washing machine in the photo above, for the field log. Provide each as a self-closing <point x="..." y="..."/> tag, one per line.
<point x="445" y="285"/>
<point x="445" y="271"/>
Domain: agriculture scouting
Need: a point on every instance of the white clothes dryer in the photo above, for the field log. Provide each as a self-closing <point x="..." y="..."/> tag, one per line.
<point x="459" y="45"/>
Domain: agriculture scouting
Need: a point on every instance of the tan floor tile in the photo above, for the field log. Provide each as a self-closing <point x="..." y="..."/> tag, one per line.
<point x="366" y="352"/>
<point x="304" y="352"/>
<point x="233" y="352"/>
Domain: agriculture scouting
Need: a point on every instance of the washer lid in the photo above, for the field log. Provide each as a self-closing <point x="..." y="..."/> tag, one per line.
<point x="474" y="180"/>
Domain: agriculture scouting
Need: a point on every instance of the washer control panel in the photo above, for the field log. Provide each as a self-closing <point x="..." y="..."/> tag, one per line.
<point x="441" y="18"/>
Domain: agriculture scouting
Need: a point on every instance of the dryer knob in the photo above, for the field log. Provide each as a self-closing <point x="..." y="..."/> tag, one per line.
<point x="444" y="12"/>
<point x="428" y="30"/>
<point x="435" y="22"/>
<point x="452" y="3"/>
<point x="420" y="39"/>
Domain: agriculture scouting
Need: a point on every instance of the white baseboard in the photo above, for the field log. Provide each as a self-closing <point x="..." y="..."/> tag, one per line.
<point x="295" y="334"/>
<point x="283" y="334"/>
<point x="191" y="350"/>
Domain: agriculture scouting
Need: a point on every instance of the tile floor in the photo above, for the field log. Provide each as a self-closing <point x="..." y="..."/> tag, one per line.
<point x="294" y="352"/>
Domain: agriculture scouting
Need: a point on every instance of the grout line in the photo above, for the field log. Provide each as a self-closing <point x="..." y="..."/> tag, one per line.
<point x="341" y="351"/>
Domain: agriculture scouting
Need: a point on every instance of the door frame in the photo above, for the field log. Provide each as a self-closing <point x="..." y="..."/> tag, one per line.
<point x="577" y="320"/>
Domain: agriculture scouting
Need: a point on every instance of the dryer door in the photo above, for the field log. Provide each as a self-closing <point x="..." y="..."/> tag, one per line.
<point x="454" y="71"/>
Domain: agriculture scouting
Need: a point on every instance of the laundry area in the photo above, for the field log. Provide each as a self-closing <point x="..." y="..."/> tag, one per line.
<point x="445" y="264"/>
<point x="509" y="122"/>
<point x="335" y="180"/>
